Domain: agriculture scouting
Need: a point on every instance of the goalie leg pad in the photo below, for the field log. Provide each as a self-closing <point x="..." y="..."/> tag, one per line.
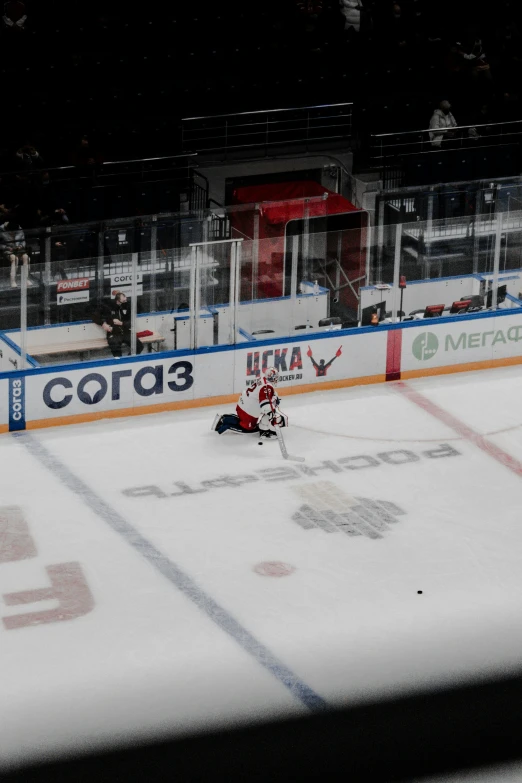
<point x="229" y="421"/>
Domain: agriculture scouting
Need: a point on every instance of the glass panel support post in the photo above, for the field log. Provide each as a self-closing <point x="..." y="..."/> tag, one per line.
<point x="396" y="269"/>
<point x="134" y="302"/>
<point x="153" y="263"/>
<point x="496" y="261"/>
<point x="255" y="253"/>
<point x="23" y="316"/>
<point x="47" y="278"/>
<point x="101" y="265"/>
<point x="192" y="297"/>
<point x="235" y="285"/>
<point x="293" y="278"/>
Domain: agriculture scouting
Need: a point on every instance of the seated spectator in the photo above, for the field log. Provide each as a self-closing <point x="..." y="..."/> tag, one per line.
<point x="52" y="217"/>
<point x="115" y="319"/>
<point x="473" y="62"/>
<point x="28" y="157"/>
<point x="14" y="15"/>
<point x="12" y="248"/>
<point x="441" y="124"/>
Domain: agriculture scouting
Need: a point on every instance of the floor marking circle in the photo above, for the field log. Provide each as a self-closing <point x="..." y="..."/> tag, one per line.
<point x="274" y="568"/>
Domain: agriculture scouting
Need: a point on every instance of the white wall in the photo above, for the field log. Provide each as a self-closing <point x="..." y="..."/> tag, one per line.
<point x="9" y="358"/>
<point x="420" y="293"/>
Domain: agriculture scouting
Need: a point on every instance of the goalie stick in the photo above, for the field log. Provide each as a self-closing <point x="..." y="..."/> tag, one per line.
<point x="282" y="446"/>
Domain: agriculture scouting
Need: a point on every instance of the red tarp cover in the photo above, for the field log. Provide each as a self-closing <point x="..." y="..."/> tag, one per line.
<point x="278" y="204"/>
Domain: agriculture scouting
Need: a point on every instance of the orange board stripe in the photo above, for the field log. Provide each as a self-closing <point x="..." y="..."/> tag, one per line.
<point x="447" y="369"/>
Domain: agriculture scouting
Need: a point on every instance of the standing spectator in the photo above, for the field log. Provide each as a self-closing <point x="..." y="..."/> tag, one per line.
<point x="441" y="124"/>
<point x="14" y="14"/>
<point x="12" y="246"/>
<point x="351" y="10"/>
<point x="115" y="320"/>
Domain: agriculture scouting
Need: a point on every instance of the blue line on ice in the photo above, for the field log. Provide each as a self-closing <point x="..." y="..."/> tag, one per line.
<point x="220" y="616"/>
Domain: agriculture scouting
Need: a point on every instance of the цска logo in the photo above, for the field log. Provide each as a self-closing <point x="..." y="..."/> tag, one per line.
<point x="425" y="346"/>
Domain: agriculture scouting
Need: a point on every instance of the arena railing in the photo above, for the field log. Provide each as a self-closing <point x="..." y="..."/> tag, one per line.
<point x="269" y="130"/>
<point x="447" y="200"/>
<point x="180" y="170"/>
<point x="395" y="154"/>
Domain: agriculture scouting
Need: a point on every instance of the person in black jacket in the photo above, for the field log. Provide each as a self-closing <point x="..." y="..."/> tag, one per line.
<point x="115" y="320"/>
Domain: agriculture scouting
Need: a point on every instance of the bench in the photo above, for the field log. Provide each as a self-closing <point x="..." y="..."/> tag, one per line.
<point x="83" y="346"/>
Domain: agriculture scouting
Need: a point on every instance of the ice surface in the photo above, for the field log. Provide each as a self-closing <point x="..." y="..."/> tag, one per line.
<point x="170" y="526"/>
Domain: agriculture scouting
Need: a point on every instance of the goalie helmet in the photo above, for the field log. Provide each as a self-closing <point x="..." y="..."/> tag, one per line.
<point x="272" y="376"/>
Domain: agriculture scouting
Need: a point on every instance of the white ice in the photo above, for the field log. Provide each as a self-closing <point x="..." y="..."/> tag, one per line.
<point x="348" y="621"/>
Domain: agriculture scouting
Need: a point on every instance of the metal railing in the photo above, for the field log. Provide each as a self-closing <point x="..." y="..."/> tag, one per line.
<point x="418" y="157"/>
<point x="269" y="129"/>
<point x="176" y="170"/>
<point x="386" y="148"/>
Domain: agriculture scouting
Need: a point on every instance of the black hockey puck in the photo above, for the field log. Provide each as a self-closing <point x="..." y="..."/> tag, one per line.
<point x="259" y="442"/>
<point x="419" y="592"/>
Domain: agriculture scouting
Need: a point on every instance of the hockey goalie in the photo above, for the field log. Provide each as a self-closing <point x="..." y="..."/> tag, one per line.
<point x="257" y="409"/>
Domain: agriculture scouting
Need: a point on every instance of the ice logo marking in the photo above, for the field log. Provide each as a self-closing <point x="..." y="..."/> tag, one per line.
<point x="329" y="508"/>
<point x="425" y="346"/>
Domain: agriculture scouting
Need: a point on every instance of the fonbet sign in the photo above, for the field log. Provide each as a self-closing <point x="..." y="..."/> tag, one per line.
<point x="427" y="345"/>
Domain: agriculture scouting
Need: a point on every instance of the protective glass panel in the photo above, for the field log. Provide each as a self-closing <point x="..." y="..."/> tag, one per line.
<point x="12" y="336"/>
<point x="263" y="310"/>
<point x="215" y="296"/>
<point x="452" y="267"/>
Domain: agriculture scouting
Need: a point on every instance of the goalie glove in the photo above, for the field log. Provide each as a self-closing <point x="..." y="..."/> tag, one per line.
<point x="278" y="419"/>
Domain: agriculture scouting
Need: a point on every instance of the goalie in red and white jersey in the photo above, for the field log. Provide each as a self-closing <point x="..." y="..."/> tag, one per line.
<point x="257" y="409"/>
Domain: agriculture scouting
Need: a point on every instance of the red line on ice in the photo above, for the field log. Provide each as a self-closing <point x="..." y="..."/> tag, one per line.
<point x="467" y="433"/>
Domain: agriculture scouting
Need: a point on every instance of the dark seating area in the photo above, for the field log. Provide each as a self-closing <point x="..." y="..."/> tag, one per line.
<point x="84" y="86"/>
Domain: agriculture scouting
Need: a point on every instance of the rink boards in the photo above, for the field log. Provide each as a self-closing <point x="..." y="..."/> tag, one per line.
<point x="48" y="396"/>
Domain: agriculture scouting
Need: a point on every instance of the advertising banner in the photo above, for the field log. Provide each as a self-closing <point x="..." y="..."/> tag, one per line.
<point x="461" y="342"/>
<point x="316" y="361"/>
<point x="123" y="283"/>
<point x="16" y="404"/>
<point x="72" y="291"/>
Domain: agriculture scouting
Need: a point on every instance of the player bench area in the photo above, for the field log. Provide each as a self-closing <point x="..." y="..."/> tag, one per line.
<point x="86" y="345"/>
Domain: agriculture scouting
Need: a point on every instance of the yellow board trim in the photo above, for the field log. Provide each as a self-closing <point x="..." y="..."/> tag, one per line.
<point x="4" y="428"/>
<point x="226" y="399"/>
<point x="447" y="369"/>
